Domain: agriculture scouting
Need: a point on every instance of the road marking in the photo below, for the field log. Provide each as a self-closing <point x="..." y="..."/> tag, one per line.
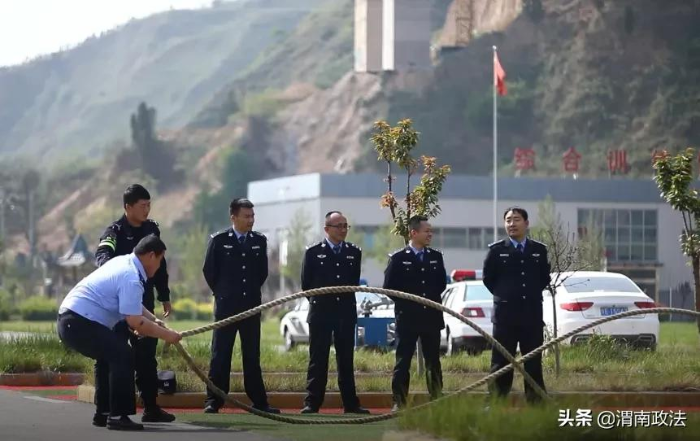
<point x="45" y="400"/>
<point x="178" y="425"/>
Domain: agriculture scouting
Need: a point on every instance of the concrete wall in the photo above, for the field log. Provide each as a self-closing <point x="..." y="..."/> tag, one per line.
<point x="368" y="35"/>
<point x="406" y="34"/>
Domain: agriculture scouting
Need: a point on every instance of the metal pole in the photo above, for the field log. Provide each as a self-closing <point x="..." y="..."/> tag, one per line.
<point x="32" y="245"/>
<point x="495" y="154"/>
<point x="2" y="218"/>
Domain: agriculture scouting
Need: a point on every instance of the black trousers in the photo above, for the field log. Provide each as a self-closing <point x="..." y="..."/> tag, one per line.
<point x="115" y="378"/>
<point x="406" y="347"/>
<point x="530" y="337"/>
<point x="146" y="367"/>
<point x="220" y="365"/>
<point x="342" y="333"/>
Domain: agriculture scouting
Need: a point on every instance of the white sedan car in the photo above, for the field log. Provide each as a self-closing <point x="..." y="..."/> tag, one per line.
<point x="295" y="330"/>
<point x="587" y="296"/>
<point x="293" y="326"/>
<point x="473" y="300"/>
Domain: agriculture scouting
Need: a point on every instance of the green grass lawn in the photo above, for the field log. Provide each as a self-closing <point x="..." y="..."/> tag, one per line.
<point x="675" y="365"/>
<point x="465" y="418"/>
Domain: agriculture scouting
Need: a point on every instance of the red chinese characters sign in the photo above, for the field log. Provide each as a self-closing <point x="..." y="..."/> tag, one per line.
<point x="571" y="160"/>
<point x="524" y="158"/>
<point x="617" y="161"/>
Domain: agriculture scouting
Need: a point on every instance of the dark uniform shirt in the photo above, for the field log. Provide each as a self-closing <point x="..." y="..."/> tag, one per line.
<point x="408" y="274"/>
<point x="235" y="272"/>
<point x="323" y="267"/>
<point x="516" y="279"/>
<point x="119" y="239"/>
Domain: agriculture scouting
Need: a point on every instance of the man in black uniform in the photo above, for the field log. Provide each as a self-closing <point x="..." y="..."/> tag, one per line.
<point x="516" y="271"/>
<point x="420" y="270"/>
<point x="235" y="268"/>
<point x="119" y="239"/>
<point x="332" y="262"/>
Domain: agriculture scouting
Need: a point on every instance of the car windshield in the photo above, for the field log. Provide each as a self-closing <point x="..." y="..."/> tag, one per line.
<point x="600" y="284"/>
<point x="477" y="292"/>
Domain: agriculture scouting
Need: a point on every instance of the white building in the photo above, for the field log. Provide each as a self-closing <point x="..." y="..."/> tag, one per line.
<point x="368" y="35"/>
<point x="640" y="230"/>
<point x="392" y="35"/>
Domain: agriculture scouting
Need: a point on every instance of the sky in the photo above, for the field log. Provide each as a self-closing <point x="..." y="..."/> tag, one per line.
<point x="29" y="28"/>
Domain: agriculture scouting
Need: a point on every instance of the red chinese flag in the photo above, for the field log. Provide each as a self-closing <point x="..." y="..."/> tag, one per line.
<point x="499" y="75"/>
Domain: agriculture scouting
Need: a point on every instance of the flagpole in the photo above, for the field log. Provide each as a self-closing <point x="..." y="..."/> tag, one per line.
<point x="495" y="154"/>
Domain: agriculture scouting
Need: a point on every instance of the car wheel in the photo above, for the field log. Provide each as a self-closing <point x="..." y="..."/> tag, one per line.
<point x="289" y="342"/>
<point x="475" y="350"/>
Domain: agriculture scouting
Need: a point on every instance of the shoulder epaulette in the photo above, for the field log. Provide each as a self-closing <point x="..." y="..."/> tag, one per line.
<point x="315" y="244"/>
<point x="353" y="246"/>
<point x="153" y="222"/>
<point x="537" y="242"/>
<point x="434" y="249"/>
<point x="218" y="233"/>
<point x="393" y="253"/>
<point x="498" y="242"/>
<point x="258" y="234"/>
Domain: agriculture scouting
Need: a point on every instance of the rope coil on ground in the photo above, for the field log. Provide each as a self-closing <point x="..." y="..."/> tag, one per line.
<point x="346" y="290"/>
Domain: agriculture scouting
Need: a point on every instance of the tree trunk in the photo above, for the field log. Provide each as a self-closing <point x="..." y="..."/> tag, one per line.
<point x="696" y="278"/>
<point x="557" y="360"/>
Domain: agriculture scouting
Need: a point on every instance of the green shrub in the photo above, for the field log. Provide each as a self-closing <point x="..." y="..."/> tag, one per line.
<point x="185" y="309"/>
<point x="38" y="308"/>
<point x="205" y="311"/>
<point x="5" y="305"/>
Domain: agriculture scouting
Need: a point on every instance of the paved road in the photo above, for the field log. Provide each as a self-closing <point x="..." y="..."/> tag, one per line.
<point x="25" y="417"/>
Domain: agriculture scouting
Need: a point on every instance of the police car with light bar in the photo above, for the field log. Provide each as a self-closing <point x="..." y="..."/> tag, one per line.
<point x="468" y="296"/>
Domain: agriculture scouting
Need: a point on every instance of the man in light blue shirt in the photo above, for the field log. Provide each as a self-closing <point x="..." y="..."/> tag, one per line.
<point x="109" y="296"/>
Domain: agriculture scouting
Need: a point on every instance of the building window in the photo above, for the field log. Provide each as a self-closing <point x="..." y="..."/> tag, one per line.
<point x="478" y="238"/>
<point x="453" y="237"/>
<point x="367" y="235"/>
<point x="628" y="235"/>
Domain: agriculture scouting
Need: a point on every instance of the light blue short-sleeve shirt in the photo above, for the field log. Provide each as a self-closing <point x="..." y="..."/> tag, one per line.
<point x="110" y="293"/>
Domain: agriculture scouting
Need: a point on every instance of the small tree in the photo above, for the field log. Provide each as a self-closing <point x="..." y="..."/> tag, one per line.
<point x="567" y="255"/>
<point x="191" y="249"/>
<point x="156" y="157"/>
<point x="674" y="177"/>
<point x="394" y="146"/>
<point x="384" y="243"/>
<point x="296" y="240"/>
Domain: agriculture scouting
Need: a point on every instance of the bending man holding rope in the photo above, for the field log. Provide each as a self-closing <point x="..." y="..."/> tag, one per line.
<point x="87" y="319"/>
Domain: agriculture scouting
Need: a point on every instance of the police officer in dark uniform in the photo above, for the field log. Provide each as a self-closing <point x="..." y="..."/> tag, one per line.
<point x="235" y="268"/>
<point x="332" y="262"/>
<point x="420" y="270"/>
<point x="516" y="271"/>
<point x="119" y="239"/>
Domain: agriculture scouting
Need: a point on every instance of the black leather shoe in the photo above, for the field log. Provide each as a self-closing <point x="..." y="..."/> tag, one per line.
<point x="99" y="420"/>
<point x="211" y="409"/>
<point x="309" y="409"/>
<point x="267" y="409"/>
<point x="359" y="410"/>
<point x="123" y="423"/>
<point x="157" y="415"/>
<point x="395" y="408"/>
